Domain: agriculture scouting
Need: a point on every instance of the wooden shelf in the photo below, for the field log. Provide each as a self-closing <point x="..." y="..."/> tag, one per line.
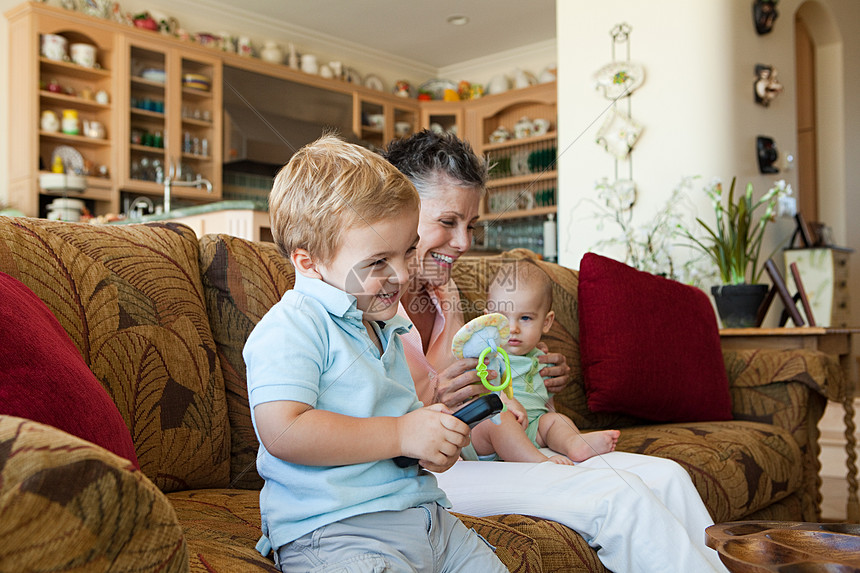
<point x="72" y="101"/>
<point x="522" y="179"/>
<point x="72" y="68"/>
<point x="519" y="214"/>
<point x="549" y="136"/>
<point x="74" y="139"/>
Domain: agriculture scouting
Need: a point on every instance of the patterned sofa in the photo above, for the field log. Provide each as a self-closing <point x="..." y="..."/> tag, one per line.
<point x="160" y="318"/>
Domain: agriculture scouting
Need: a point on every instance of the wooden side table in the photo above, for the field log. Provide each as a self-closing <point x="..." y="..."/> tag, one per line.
<point x="833" y="341"/>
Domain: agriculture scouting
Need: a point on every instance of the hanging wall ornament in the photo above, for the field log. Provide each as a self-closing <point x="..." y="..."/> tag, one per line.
<point x="618" y="134"/>
<point x="764" y="15"/>
<point x="766" y="86"/>
<point x="619" y="79"/>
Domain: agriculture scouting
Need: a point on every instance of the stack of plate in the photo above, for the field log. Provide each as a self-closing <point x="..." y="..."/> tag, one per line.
<point x="196" y="81"/>
<point x="65" y="209"/>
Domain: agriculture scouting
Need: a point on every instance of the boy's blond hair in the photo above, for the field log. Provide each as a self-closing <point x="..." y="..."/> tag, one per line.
<point x="329" y="186"/>
<point x="522" y="273"/>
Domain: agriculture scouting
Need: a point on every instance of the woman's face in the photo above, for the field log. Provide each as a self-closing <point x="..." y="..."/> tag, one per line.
<point x="448" y="216"/>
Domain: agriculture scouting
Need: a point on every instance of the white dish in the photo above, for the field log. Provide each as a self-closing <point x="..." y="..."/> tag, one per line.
<point x="72" y="159"/>
<point x="619" y="79"/>
<point x="352" y="76"/>
<point x="436" y="87"/>
<point x="154" y="75"/>
<point x="618" y="134"/>
<point x="374" y="83"/>
<point x="62" y="182"/>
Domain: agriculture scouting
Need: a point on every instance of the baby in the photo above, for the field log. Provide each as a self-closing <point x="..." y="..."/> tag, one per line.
<point x="522" y="292"/>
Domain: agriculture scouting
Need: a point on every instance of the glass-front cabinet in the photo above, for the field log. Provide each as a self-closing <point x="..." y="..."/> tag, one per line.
<point x="379" y="118"/>
<point x="172" y="129"/>
<point x="443" y="116"/>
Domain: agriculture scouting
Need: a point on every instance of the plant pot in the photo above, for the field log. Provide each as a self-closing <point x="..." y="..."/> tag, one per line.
<point x="738" y="305"/>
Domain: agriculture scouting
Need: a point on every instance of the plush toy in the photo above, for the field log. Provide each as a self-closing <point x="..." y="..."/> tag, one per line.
<point x="483" y="338"/>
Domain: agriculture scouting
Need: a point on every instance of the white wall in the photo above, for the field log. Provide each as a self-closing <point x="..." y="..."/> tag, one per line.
<point x="696" y="104"/>
<point x="697" y="108"/>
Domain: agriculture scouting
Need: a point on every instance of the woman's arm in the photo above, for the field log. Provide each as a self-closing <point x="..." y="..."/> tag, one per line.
<point x="297" y="433"/>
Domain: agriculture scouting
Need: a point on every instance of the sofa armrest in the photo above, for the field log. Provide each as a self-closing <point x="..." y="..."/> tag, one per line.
<point x="750" y="372"/>
<point x="68" y="504"/>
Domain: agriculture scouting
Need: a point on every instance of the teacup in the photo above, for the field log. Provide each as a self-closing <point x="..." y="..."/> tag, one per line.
<point x="540" y="126"/>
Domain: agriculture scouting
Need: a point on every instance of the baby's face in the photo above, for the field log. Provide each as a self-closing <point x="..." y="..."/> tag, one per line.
<point x="527" y="313"/>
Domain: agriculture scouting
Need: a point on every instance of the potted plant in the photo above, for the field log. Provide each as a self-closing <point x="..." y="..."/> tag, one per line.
<point x="734" y="244"/>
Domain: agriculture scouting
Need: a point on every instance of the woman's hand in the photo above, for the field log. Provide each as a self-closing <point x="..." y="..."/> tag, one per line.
<point x="556" y="376"/>
<point x="459" y="383"/>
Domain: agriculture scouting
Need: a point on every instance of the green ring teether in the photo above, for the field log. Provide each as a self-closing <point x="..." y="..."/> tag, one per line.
<point x="482" y="370"/>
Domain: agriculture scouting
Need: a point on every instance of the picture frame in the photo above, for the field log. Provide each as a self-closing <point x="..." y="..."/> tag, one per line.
<point x="791" y="310"/>
<point x="803" y="231"/>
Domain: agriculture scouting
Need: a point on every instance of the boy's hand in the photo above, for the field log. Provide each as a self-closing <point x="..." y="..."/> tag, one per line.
<point x="433" y="436"/>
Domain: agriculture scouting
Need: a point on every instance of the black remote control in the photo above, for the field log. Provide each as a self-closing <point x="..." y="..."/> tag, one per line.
<point x="472" y="414"/>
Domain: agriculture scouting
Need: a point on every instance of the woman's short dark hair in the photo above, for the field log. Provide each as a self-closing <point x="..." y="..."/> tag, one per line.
<point x="426" y="156"/>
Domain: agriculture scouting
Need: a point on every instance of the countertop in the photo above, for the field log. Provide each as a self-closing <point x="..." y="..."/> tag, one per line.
<point x="180" y="212"/>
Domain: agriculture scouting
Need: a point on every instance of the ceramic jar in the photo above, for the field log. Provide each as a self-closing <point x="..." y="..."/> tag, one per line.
<point x="54" y="47"/>
<point x="272" y="53"/>
<point x="84" y="55"/>
<point x="71" y="123"/>
<point x="50" y="121"/>
<point x="309" y="64"/>
<point x="244" y="46"/>
<point x="94" y="129"/>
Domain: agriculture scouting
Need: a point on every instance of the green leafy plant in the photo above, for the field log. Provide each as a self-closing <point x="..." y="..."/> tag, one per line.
<point x="734" y="242"/>
<point x="648" y="246"/>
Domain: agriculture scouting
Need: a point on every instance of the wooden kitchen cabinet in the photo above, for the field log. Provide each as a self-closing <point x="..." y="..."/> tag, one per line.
<point x="169" y="126"/>
<point x="446" y="114"/>
<point x="379" y="118"/>
<point x="523" y="177"/>
<point x="156" y="126"/>
<point x="32" y="149"/>
<point x="171" y="110"/>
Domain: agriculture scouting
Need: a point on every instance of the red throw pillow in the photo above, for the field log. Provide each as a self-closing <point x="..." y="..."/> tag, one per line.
<point x="44" y="378"/>
<point x="650" y="346"/>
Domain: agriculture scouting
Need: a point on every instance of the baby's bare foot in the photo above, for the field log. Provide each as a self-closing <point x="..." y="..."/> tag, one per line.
<point x="560" y="460"/>
<point x="588" y="445"/>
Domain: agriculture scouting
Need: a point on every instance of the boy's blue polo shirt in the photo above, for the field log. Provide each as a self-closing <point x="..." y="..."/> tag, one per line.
<point x="312" y="347"/>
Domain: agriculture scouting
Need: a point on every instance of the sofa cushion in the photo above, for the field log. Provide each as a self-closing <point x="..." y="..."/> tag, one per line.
<point x="738" y="467"/>
<point x="68" y="505"/>
<point x="131" y="300"/>
<point x="241" y="282"/>
<point x="223" y="525"/>
<point x="650" y="346"/>
<point x="44" y="378"/>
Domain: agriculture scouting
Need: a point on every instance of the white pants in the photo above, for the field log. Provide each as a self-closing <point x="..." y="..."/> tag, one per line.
<point x="641" y="513"/>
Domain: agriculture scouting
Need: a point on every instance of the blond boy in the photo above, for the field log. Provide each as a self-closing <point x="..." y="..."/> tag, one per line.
<point x="331" y="396"/>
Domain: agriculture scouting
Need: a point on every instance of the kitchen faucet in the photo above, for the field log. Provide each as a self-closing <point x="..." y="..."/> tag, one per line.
<point x="135" y="211"/>
<point x="169" y="182"/>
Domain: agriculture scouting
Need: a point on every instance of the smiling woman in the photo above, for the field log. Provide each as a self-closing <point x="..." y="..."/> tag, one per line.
<point x="650" y="519"/>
